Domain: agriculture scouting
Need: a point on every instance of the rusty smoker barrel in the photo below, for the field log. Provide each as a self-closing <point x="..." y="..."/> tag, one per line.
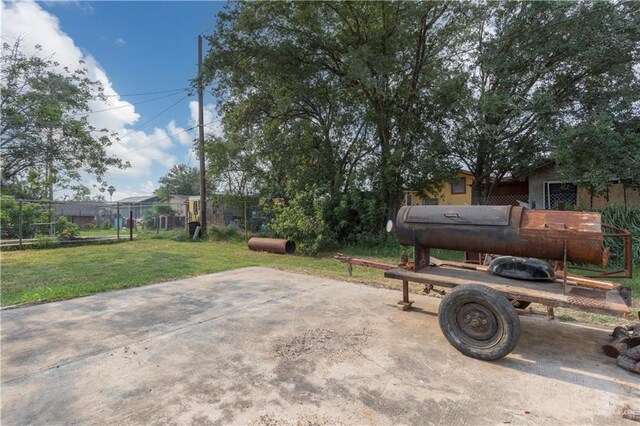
<point x="506" y="230"/>
<point x="272" y="245"/>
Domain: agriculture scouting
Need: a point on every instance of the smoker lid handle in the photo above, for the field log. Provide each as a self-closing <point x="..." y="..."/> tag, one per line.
<point x="450" y="215"/>
<point x="556" y="225"/>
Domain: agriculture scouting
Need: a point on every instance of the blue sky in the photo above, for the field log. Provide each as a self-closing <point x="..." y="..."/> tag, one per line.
<point x="131" y="47"/>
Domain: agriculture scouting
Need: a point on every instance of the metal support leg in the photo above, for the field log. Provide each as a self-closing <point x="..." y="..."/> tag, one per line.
<point x="550" y="314"/>
<point x="564" y="270"/>
<point x="405" y="303"/>
<point x="421" y="256"/>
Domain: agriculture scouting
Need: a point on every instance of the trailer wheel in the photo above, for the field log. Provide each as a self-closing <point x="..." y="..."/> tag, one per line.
<point x="479" y="322"/>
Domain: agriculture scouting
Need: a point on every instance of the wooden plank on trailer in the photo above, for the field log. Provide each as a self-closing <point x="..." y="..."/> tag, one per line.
<point x="588" y="282"/>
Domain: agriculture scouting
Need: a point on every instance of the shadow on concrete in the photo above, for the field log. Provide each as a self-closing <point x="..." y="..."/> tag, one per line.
<point x="569" y="353"/>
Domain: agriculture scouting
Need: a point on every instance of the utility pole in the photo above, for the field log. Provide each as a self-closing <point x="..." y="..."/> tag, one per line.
<point x="203" y="185"/>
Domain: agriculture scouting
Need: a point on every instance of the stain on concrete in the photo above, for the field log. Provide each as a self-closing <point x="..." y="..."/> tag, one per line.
<point x="320" y="344"/>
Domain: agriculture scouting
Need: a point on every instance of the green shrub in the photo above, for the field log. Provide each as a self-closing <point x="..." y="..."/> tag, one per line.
<point x="44" y="241"/>
<point x="10" y="213"/>
<point x="66" y="229"/>
<point x="302" y="220"/>
<point x="225" y="233"/>
<point x="627" y="218"/>
<point x="357" y="217"/>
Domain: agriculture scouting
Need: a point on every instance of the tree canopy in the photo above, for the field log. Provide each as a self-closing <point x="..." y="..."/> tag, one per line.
<point x="45" y="135"/>
<point x="179" y="180"/>
<point x="357" y="102"/>
<point x="535" y="73"/>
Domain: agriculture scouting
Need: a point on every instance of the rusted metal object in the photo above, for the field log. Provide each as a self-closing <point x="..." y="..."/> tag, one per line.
<point x="627" y="256"/>
<point x="272" y="245"/>
<point x="361" y="262"/>
<point x="506" y="230"/>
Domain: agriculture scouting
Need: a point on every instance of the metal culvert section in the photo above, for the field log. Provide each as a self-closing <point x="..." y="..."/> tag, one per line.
<point x="272" y="245"/>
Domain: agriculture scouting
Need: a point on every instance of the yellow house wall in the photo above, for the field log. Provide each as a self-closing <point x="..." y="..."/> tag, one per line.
<point x="616" y="196"/>
<point x="193" y="213"/>
<point x="445" y="197"/>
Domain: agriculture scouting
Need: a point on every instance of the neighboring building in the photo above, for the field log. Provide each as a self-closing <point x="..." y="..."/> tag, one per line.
<point x="194" y="209"/>
<point x="616" y="193"/>
<point x="179" y="203"/>
<point x="509" y="191"/>
<point x="138" y="205"/>
<point x="548" y="191"/>
<point x="454" y="192"/>
<point x="221" y="211"/>
<point x="84" y="214"/>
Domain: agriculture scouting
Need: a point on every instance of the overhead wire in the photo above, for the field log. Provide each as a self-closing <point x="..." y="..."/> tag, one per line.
<point x="143" y="125"/>
<point x="163" y="139"/>
<point x="191" y="149"/>
<point x="130" y="104"/>
<point x="148" y="93"/>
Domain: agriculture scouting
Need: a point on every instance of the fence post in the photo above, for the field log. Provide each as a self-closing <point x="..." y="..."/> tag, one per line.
<point x="118" y="220"/>
<point x="186" y="216"/>
<point x="130" y="225"/>
<point x="246" y="231"/>
<point x="20" y="223"/>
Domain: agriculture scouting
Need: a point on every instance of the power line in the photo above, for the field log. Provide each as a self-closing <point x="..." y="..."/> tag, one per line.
<point x="129" y="104"/>
<point x="141" y="126"/>
<point x="191" y="151"/>
<point x="159" y="140"/>
<point x="148" y="93"/>
<point x="163" y="139"/>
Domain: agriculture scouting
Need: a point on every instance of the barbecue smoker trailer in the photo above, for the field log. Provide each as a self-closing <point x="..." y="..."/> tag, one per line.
<point x="478" y="316"/>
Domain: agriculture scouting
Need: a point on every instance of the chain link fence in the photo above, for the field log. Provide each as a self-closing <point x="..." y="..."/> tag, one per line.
<point x="561" y="201"/>
<point x="34" y="222"/>
<point x="500" y="200"/>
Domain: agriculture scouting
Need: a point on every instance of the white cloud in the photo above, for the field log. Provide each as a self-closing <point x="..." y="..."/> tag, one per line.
<point x="21" y="19"/>
<point x="82" y="5"/>
<point x="183" y="136"/>
<point x="142" y="150"/>
<point x="212" y="121"/>
<point x="120" y="41"/>
<point x="145" y="151"/>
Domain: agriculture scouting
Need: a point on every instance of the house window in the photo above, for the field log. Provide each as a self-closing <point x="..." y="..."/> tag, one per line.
<point x="558" y="195"/>
<point x="459" y="186"/>
<point x="408" y="198"/>
<point x="430" y="202"/>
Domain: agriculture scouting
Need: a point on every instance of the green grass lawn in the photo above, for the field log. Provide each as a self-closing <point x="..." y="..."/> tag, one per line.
<point x="34" y="276"/>
<point x="100" y="232"/>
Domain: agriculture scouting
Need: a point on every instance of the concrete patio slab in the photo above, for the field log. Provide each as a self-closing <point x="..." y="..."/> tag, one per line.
<point x="259" y="346"/>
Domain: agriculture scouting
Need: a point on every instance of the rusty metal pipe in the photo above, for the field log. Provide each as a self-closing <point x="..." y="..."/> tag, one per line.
<point x="506" y="230"/>
<point x="272" y="245"/>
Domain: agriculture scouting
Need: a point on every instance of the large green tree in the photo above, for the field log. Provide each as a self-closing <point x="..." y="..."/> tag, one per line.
<point x="344" y="86"/>
<point x="44" y="130"/>
<point x="540" y="77"/>
<point x="179" y="180"/>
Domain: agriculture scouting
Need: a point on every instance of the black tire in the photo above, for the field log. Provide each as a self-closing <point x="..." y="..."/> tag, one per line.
<point x="519" y="304"/>
<point x="479" y="322"/>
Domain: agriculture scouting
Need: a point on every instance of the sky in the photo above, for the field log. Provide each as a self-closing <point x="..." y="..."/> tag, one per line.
<point x="131" y="48"/>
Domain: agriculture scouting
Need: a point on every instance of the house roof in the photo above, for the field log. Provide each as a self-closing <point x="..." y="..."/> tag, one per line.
<point x="140" y="199"/>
